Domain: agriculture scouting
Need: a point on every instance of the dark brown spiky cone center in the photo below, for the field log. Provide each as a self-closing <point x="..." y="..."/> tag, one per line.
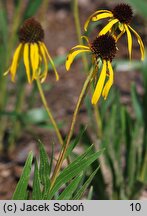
<point x="31" y="31"/>
<point x="104" y="47"/>
<point x="123" y="13"/>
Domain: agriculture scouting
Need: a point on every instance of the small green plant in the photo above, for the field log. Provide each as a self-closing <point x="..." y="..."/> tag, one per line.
<point x="125" y="142"/>
<point x="70" y="184"/>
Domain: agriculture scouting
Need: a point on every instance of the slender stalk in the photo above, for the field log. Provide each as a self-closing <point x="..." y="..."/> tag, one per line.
<point x="85" y="63"/>
<point x="49" y="112"/>
<point x="78" y="30"/>
<point x="63" y="152"/>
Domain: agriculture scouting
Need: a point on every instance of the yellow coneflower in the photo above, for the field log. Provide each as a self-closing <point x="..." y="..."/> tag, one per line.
<point x="119" y="18"/>
<point x="103" y="49"/>
<point x="34" y="52"/>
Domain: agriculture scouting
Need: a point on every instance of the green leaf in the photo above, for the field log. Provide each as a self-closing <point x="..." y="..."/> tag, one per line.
<point x="69" y="190"/>
<point x="143" y="175"/>
<point x="32" y="8"/>
<point x="21" y="188"/>
<point x="112" y="142"/>
<point x="144" y="74"/>
<point x="136" y="103"/>
<point x="132" y="159"/>
<point x="36" y="193"/>
<point x="12" y="114"/>
<point x="4" y="25"/>
<point x="44" y="170"/>
<point x="85" y="186"/>
<point x="74" y="169"/>
<point x="57" y="186"/>
<point x="51" y="160"/>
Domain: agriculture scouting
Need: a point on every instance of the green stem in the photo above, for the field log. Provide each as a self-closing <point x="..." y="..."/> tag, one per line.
<point x="85" y="63"/>
<point x="78" y="30"/>
<point x="49" y="112"/>
<point x="63" y="152"/>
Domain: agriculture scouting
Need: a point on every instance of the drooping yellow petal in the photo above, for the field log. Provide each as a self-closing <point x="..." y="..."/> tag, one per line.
<point x="108" y="26"/>
<point x="34" y="56"/>
<point x="101" y="16"/>
<point x="80" y="47"/>
<point x="109" y="82"/>
<point x="100" y="84"/>
<point x="119" y="36"/>
<point x="51" y="61"/>
<point x="14" y="64"/>
<point x="142" y="50"/>
<point x="92" y="15"/>
<point x="26" y="61"/>
<point x="44" y="74"/>
<point x="85" y="38"/>
<point x="129" y="40"/>
<point x="71" y="57"/>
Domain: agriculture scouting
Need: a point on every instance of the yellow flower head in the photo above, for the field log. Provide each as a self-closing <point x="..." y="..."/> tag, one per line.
<point x="119" y="18"/>
<point x="33" y="51"/>
<point x="102" y="48"/>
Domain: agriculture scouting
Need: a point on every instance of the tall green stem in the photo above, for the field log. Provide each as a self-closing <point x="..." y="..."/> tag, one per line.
<point x="63" y="152"/>
<point x="85" y="63"/>
<point x="78" y="30"/>
<point x="49" y="112"/>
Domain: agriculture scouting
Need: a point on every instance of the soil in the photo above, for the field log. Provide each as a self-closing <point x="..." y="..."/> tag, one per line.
<point x="59" y="26"/>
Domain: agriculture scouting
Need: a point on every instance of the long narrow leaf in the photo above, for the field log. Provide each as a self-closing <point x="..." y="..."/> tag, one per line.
<point x="84" y="187"/>
<point x="136" y="103"/>
<point x="36" y="194"/>
<point x="44" y="170"/>
<point x="21" y="189"/>
<point x="51" y="160"/>
<point x="69" y="190"/>
<point x="73" y="170"/>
